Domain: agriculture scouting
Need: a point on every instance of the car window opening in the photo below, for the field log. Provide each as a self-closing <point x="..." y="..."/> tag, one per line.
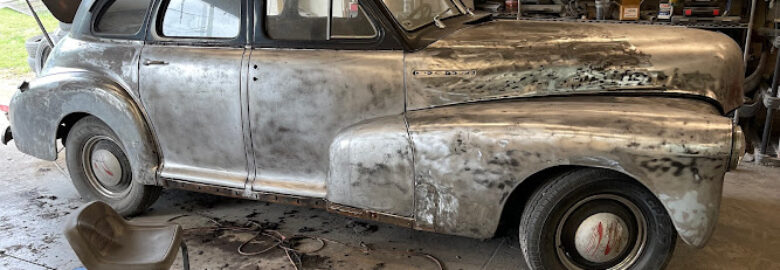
<point x="317" y="20"/>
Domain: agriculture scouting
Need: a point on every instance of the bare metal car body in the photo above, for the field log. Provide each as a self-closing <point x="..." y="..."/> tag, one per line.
<point x="433" y="131"/>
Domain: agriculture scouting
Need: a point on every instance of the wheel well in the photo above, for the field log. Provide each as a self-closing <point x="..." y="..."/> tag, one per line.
<point x="515" y="204"/>
<point x="67" y="123"/>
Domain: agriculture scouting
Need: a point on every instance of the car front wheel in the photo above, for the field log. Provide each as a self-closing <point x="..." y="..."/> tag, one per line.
<point x="595" y="219"/>
<point x="100" y="169"/>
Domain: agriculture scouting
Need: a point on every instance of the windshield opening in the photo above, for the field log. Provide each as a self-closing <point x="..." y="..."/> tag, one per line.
<point x="413" y="14"/>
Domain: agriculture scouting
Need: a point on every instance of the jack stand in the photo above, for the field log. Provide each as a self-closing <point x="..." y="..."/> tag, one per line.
<point x="771" y="103"/>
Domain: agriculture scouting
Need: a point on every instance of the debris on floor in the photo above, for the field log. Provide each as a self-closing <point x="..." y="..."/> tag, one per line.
<point x="36" y="202"/>
<point x="299" y="249"/>
<point x="361" y="227"/>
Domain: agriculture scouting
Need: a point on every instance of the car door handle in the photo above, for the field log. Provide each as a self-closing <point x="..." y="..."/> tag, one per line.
<point x="154" y="62"/>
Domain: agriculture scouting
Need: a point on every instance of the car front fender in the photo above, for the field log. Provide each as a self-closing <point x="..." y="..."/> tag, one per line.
<point x="36" y="114"/>
<point x="470" y="158"/>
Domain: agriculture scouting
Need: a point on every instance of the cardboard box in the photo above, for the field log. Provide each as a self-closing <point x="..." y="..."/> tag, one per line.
<point x="629" y="10"/>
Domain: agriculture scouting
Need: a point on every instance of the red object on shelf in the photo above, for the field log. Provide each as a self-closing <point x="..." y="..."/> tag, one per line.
<point x="716" y="12"/>
<point x="511" y="5"/>
<point x="688" y="12"/>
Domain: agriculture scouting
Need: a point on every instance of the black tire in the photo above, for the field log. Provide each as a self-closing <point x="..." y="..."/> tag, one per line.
<point x="31" y="44"/>
<point x="127" y="197"/>
<point x="41" y="55"/>
<point x="554" y="209"/>
<point x="31" y="62"/>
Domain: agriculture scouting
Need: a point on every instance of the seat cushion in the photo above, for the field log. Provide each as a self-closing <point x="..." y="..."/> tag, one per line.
<point x="104" y="240"/>
<point x="144" y="245"/>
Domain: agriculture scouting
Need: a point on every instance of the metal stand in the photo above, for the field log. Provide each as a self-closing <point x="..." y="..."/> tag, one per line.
<point x="519" y="9"/>
<point x="185" y="257"/>
<point x="601" y="9"/>
<point x="771" y="102"/>
<point x="769" y="97"/>
<point x="769" y="111"/>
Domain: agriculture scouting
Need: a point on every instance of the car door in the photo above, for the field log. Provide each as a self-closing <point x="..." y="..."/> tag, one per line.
<point x="191" y="84"/>
<point x="313" y="77"/>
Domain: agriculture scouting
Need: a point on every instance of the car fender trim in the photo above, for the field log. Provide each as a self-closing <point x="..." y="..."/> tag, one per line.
<point x="6" y="136"/>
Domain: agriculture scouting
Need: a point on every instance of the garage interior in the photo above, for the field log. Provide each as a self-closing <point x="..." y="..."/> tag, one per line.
<point x="38" y="197"/>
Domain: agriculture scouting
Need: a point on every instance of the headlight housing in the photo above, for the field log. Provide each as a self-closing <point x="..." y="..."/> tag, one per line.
<point x="737" y="147"/>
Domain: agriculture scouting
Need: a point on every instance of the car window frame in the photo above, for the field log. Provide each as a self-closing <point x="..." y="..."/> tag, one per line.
<point x="426" y="25"/>
<point x="99" y="7"/>
<point x="155" y="36"/>
<point x="339" y="37"/>
<point x="383" y="40"/>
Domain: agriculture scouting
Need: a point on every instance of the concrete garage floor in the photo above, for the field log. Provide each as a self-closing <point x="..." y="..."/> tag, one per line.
<point x="36" y="197"/>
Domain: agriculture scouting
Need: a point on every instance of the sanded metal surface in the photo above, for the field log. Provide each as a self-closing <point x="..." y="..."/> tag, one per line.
<point x="302" y="99"/>
<point x="194" y="105"/>
<point x="527" y="58"/>
<point x="490" y="149"/>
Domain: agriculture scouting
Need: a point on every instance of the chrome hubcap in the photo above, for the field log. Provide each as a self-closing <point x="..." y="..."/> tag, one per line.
<point x="601" y="237"/>
<point x="106" y="167"/>
<point x="602" y="231"/>
<point x="105" y="172"/>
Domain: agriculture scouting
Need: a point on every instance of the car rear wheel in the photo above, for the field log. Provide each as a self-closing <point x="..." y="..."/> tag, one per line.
<point x="595" y="219"/>
<point x="100" y="169"/>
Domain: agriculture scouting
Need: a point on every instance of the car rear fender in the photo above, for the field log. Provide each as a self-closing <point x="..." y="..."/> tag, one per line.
<point x="37" y="112"/>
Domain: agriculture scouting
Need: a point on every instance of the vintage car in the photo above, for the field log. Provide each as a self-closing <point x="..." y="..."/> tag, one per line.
<point x="599" y="143"/>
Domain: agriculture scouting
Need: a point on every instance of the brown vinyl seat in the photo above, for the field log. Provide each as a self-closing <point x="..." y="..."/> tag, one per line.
<point x="102" y="239"/>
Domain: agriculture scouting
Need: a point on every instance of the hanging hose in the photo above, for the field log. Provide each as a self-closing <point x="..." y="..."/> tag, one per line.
<point x="749" y="34"/>
<point x="754" y="79"/>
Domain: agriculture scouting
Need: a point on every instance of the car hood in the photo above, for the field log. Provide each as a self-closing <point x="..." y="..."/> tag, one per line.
<point x="510" y="59"/>
<point x="63" y="10"/>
